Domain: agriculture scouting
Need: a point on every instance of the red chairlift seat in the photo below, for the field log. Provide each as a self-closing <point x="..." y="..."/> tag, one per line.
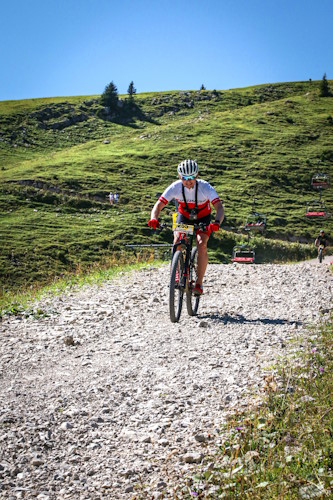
<point x="316" y="210"/>
<point x="255" y="222"/>
<point x="243" y="260"/>
<point x="315" y="214"/>
<point x="243" y="254"/>
<point x="320" y="181"/>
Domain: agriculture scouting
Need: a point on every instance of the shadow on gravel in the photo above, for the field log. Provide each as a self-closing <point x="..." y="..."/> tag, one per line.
<point x="239" y="318"/>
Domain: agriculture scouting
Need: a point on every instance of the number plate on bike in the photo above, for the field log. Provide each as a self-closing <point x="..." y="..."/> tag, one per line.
<point x="183" y="228"/>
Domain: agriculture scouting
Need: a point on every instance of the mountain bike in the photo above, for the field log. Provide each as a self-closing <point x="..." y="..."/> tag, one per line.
<point x="321" y="253"/>
<point x="183" y="274"/>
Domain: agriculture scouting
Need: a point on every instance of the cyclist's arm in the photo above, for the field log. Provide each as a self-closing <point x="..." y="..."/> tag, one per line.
<point x="159" y="205"/>
<point x="216" y="202"/>
<point x="164" y="199"/>
<point x="219" y="212"/>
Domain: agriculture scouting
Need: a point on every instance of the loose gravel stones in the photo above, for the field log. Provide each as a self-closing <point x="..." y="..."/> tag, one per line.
<point x="103" y="394"/>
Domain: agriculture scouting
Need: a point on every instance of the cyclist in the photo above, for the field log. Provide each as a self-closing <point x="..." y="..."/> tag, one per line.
<point x="321" y="240"/>
<point x="194" y="198"/>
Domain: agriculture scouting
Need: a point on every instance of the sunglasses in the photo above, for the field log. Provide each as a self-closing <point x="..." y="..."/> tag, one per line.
<point x="188" y="177"/>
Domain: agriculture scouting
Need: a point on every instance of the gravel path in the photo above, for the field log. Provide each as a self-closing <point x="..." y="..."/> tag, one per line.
<point x="105" y="394"/>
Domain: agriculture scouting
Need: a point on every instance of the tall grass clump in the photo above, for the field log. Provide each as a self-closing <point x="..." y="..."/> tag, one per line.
<point x="283" y="447"/>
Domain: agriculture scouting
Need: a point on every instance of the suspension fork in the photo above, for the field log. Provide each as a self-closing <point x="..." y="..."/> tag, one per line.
<point x="186" y="272"/>
<point x="181" y="241"/>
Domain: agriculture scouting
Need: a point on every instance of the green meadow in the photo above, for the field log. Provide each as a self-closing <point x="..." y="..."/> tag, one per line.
<point x="60" y="157"/>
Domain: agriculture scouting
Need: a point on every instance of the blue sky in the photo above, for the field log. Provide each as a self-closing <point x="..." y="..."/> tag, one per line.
<point x="54" y="48"/>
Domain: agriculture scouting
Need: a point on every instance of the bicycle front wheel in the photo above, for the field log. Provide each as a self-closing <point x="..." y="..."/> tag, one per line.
<point x="192" y="301"/>
<point x="176" y="290"/>
<point x="320" y="255"/>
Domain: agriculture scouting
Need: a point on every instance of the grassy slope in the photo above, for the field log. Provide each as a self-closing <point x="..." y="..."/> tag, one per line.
<point x="56" y="171"/>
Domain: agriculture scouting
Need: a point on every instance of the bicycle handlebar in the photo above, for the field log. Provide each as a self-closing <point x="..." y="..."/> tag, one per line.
<point x="201" y="226"/>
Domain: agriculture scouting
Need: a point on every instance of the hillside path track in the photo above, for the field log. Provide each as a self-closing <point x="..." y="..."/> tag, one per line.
<point x="105" y="393"/>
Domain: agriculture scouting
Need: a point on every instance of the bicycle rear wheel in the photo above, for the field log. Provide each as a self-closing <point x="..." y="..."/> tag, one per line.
<point x="176" y="291"/>
<point x="192" y="301"/>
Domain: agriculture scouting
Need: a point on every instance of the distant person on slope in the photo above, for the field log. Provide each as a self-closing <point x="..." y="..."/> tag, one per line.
<point x="321" y="240"/>
<point x="194" y="198"/>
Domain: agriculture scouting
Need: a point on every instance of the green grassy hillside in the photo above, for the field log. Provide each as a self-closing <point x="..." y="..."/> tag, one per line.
<point x="60" y="158"/>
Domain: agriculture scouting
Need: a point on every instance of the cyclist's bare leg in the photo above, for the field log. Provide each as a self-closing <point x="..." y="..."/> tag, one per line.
<point x="202" y="240"/>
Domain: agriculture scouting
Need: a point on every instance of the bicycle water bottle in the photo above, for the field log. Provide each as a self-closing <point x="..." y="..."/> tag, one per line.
<point x="174" y="219"/>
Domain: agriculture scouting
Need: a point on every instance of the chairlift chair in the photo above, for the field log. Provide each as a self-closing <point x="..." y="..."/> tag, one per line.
<point x="320" y="181"/>
<point x="255" y="222"/>
<point x="316" y="210"/>
<point x="243" y="254"/>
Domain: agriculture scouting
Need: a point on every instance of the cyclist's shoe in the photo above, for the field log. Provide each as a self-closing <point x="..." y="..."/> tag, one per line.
<point x="198" y="290"/>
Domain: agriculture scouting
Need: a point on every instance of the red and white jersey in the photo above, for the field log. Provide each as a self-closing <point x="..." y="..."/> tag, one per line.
<point x="206" y="195"/>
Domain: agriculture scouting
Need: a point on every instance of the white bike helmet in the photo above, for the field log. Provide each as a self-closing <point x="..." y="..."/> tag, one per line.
<point x="188" y="168"/>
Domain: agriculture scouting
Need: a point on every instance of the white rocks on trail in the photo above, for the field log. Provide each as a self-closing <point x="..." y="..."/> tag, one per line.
<point x="105" y="393"/>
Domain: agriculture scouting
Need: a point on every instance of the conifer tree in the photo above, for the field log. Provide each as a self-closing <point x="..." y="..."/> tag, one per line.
<point x="324" y="89"/>
<point x="131" y="90"/>
<point x="110" y="96"/>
